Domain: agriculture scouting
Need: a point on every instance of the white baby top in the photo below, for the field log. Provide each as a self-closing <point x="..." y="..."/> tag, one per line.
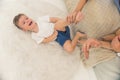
<point x="46" y="29"/>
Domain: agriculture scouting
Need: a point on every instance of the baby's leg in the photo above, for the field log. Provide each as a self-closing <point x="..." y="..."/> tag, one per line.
<point x="60" y="25"/>
<point x="108" y="37"/>
<point x="69" y="45"/>
<point x="82" y="35"/>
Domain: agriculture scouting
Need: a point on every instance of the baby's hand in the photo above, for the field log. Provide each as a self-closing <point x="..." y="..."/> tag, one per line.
<point x="79" y="17"/>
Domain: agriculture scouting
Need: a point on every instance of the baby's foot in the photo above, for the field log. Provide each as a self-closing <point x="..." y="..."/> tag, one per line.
<point x="81" y="35"/>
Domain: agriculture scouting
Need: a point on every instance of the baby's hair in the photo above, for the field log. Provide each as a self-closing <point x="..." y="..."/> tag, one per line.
<point x="16" y="19"/>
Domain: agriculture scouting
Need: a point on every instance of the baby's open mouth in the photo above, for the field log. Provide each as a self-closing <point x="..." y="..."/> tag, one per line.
<point x="30" y="23"/>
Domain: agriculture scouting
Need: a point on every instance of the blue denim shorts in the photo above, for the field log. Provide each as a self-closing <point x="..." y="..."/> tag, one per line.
<point x="63" y="36"/>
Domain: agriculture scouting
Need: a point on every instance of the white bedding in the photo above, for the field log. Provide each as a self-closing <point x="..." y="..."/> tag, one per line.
<point x="22" y="59"/>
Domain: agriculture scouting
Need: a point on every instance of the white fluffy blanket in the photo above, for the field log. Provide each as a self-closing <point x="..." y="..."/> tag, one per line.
<point x="22" y="59"/>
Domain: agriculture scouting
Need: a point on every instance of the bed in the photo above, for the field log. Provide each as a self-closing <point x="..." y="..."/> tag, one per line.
<point x="22" y="59"/>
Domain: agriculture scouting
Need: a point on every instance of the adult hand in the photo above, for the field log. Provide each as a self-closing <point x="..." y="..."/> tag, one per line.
<point x="91" y="42"/>
<point x="79" y="17"/>
<point x="116" y="43"/>
<point x="74" y="17"/>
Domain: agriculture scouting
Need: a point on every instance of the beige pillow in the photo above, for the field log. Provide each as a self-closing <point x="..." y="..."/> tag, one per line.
<point x="101" y="18"/>
<point x="71" y="4"/>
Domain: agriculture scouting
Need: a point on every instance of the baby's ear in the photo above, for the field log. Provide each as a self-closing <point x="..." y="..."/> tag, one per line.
<point x="118" y="32"/>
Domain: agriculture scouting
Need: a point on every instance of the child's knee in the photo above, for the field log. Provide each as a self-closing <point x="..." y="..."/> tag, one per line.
<point x="68" y="46"/>
<point x="69" y="49"/>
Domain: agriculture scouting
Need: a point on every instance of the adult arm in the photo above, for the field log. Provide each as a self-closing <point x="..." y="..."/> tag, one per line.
<point x="80" y="5"/>
<point x="73" y="16"/>
<point x="91" y="42"/>
<point x="105" y="44"/>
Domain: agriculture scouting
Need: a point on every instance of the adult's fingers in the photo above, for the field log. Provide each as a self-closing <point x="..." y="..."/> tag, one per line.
<point x="79" y="17"/>
<point x="74" y="17"/>
<point x="86" y="54"/>
<point x="85" y="50"/>
<point x="88" y="46"/>
<point x="68" y="18"/>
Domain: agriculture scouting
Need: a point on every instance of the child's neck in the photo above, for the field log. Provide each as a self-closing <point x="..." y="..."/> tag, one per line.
<point x="36" y="28"/>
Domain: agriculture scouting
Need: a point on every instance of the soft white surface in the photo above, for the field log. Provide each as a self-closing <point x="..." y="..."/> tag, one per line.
<point x="21" y="58"/>
<point x="84" y="74"/>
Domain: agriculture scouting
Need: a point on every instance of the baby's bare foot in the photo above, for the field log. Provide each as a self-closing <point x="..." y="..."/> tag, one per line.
<point x="81" y="35"/>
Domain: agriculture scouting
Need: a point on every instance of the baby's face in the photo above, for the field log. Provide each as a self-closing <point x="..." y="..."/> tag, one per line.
<point x="26" y="23"/>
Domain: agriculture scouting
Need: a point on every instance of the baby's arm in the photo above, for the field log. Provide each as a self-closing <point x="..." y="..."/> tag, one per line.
<point x="50" y="38"/>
